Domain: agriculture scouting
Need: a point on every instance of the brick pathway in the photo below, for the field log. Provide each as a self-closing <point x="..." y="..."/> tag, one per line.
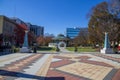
<point x="59" y="67"/>
<point x="84" y="67"/>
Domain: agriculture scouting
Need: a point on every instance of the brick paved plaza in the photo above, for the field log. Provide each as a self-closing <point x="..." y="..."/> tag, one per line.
<point x="60" y="66"/>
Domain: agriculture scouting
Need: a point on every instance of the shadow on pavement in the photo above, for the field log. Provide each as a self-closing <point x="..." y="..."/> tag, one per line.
<point x="24" y="75"/>
<point x="54" y="78"/>
<point x="4" y="53"/>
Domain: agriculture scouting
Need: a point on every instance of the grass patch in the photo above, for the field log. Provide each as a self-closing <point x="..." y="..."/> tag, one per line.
<point x="82" y="49"/>
<point x="45" y="48"/>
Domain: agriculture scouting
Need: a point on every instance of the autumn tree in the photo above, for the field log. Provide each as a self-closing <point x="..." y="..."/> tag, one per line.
<point x="114" y="9"/>
<point x="82" y="38"/>
<point x="44" y="41"/>
<point x="101" y="21"/>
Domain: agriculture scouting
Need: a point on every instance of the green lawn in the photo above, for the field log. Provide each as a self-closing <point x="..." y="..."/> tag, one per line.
<point x="82" y="49"/>
<point x="45" y="48"/>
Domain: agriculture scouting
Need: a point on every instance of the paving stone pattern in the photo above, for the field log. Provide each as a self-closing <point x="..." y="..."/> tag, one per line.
<point x="40" y="66"/>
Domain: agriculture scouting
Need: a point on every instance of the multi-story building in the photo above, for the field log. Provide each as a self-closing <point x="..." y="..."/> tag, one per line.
<point x="12" y="31"/>
<point x="37" y="30"/>
<point x="7" y="27"/>
<point x="74" y="32"/>
<point x="19" y="31"/>
<point x="20" y="23"/>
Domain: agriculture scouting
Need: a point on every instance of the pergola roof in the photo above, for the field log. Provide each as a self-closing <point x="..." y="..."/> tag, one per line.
<point x="60" y="38"/>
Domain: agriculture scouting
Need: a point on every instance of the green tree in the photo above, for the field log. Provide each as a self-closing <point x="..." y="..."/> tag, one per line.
<point x="101" y="21"/>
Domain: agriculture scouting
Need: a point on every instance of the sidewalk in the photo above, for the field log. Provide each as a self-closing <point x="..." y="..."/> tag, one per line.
<point x="47" y="66"/>
<point x="64" y="50"/>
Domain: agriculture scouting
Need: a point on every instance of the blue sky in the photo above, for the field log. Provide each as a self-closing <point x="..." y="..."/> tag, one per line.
<point x="54" y="15"/>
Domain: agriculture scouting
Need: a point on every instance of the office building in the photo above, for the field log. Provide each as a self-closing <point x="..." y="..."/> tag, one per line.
<point x="37" y="30"/>
<point x="74" y="32"/>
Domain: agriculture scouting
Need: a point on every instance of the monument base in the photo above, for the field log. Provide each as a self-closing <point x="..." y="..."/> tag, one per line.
<point x="24" y="50"/>
<point x="106" y="51"/>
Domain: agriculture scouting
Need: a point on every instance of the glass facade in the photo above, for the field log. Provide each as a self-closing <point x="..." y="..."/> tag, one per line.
<point x="74" y="32"/>
<point x="37" y="30"/>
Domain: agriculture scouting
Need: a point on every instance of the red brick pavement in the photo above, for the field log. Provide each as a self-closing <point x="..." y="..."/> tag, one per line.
<point x="20" y="64"/>
<point x="97" y="63"/>
<point x="54" y="73"/>
<point x="117" y="75"/>
<point x="61" y="57"/>
<point x="60" y="63"/>
<point x="83" y="57"/>
<point x="108" y="57"/>
<point x="65" y="61"/>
